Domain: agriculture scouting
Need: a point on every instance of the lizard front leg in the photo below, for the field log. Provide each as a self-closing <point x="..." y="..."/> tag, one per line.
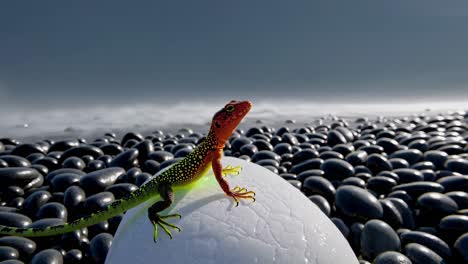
<point x="167" y="195"/>
<point x="237" y="192"/>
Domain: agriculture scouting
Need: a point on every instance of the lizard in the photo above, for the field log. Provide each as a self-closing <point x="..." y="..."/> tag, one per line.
<point x="183" y="173"/>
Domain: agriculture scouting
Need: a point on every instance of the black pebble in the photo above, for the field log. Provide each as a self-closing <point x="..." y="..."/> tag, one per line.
<point x="356" y="202"/>
<point x="99" y="246"/>
<point x="420" y="254"/>
<point x="391" y="257"/>
<point x="48" y="256"/>
<point x="377" y="237"/>
<point x="99" y="180"/>
<point x="25" y="246"/>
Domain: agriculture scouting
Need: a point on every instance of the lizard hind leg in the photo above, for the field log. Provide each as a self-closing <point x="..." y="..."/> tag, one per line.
<point x="229" y="170"/>
<point x="159" y="220"/>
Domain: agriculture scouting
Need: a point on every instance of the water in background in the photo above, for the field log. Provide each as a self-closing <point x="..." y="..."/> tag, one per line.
<point x="91" y="121"/>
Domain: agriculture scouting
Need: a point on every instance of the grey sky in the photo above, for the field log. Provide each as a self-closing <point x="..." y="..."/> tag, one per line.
<point x="75" y="52"/>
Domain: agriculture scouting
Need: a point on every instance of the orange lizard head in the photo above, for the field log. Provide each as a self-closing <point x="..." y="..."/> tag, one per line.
<point x="227" y="119"/>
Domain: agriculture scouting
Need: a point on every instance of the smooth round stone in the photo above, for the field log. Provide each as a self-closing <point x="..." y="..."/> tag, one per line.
<point x="98" y="201"/>
<point x="248" y="150"/>
<point x="81" y="151"/>
<point x="152" y="166"/>
<point x="313" y="164"/>
<point x="296" y="184"/>
<point x="225" y="240"/>
<point x="18" y="176"/>
<point x="51" y="163"/>
<point x="398" y="163"/>
<point x="319" y="185"/>
<point x="423" y="165"/>
<point x="303" y="155"/>
<point x="415" y="189"/>
<point x="454" y="183"/>
<point x="7" y="253"/>
<point x="48" y="256"/>
<point x="381" y="184"/>
<point x="420" y="254"/>
<point x="377" y="237"/>
<point x="355" y="181"/>
<point x="73" y="196"/>
<point x="330" y="154"/>
<point x="405" y="212"/>
<point x="377" y="163"/>
<point x="282" y="148"/>
<point x="410" y="155"/>
<point x="99" y="246"/>
<point x="53" y="210"/>
<point x="341" y="226"/>
<point x="389" y="174"/>
<point x="321" y="203"/>
<point x="144" y="148"/>
<point x="453" y="226"/>
<point x="428" y="240"/>
<point x="391" y="215"/>
<point x="451" y="149"/>
<point x="419" y="144"/>
<point x="16" y="161"/>
<point x="142" y="178"/>
<point x="336" y="169"/>
<point x="391" y="257"/>
<point x="372" y="149"/>
<point x="46" y="222"/>
<point x="356" y="202"/>
<point x="305" y="174"/>
<point x="62" y="181"/>
<point x="3" y="164"/>
<point x="74" y="163"/>
<point x="389" y="145"/>
<point x="53" y="174"/>
<point x="268" y="162"/>
<point x="111" y="149"/>
<point x="461" y="198"/>
<point x="74" y="256"/>
<point x="409" y="175"/>
<point x="461" y="247"/>
<point x="334" y="137"/>
<point x="429" y="175"/>
<point x="357" y="157"/>
<point x="25" y="246"/>
<point x="34" y="201"/>
<point x="63" y="145"/>
<point x="237" y="143"/>
<point x="437" y="203"/>
<point x="437" y="157"/>
<point x="24" y="150"/>
<point x="99" y="180"/>
<point x="457" y="165"/>
<point x="343" y="149"/>
<point x="265" y="154"/>
<point x="121" y="189"/>
<point x="126" y="159"/>
<point x="131" y="135"/>
<point x="95" y="165"/>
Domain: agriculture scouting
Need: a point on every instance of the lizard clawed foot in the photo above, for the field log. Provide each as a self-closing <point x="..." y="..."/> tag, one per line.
<point x="241" y="193"/>
<point x="158" y="220"/>
<point x="229" y="170"/>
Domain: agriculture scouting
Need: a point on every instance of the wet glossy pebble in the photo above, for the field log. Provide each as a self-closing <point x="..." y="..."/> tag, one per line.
<point x="312" y="164"/>
<point x="16" y="161"/>
<point x="438" y="158"/>
<point x="53" y="210"/>
<point x="381" y="184"/>
<point x="34" y="201"/>
<point x="18" y="176"/>
<point x="99" y="246"/>
<point x="74" y="163"/>
<point x="415" y="189"/>
<point x="48" y="256"/>
<point x="457" y="165"/>
<point x="152" y="166"/>
<point x="358" y="157"/>
<point x="391" y="215"/>
<point x="405" y="211"/>
<point x="461" y="248"/>
<point x="319" y="185"/>
<point x="81" y="151"/>
<point x="321" y="203"/>
<point x="337" y="169"/>
<point x="409" y="175"/>
<point x="420" y="254"/>
<point x="344" y="229"/>
<point x="98" y="201"/>
<point x="355" y="181"/>
<point x="303" y="155"/>
<point x="62" y="181"/>
<point x="73" y="196"/>
<point x="454" y="183"/>
<point x="142" y="178"/>
<point x="356" y="202"/>
<point x="377" y="163"/>
<point x="131" y="136"/>
<point x="144" y="148"/>
<point x="99" y="180"/>
<point x="428" y="240"/>
<point x="392" y="257"/>
<point x="461" y="198"/>
<point x="25" y="246"/>
<point x="74" y="256"/>
<point x="410" y="155"/>
<point x="121" y="189"/>
<point x="377" y="237"/>
<point x="126" y="159"/>
<point x="452" y="227"/>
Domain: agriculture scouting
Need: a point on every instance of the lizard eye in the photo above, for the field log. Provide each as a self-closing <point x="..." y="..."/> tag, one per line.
<point x="229" y="108"/>
<point x="217" y="124"/>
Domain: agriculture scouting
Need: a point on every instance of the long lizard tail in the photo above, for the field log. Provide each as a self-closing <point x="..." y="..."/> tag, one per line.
<point x="117" y="207"/>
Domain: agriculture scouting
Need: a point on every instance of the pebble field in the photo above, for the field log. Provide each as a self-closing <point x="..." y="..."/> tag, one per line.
<point x="396" y="188"/>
